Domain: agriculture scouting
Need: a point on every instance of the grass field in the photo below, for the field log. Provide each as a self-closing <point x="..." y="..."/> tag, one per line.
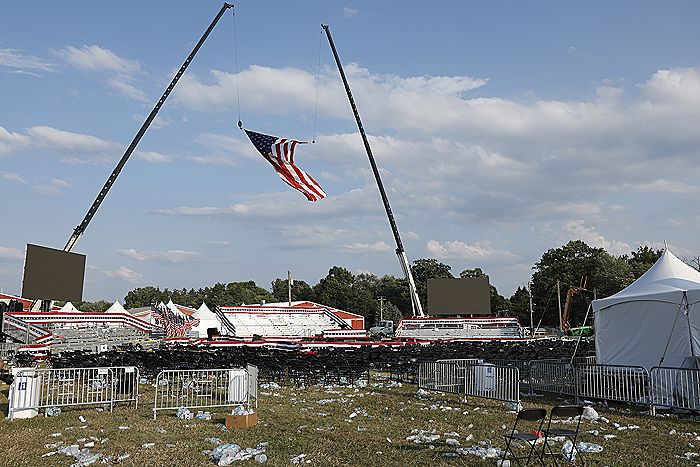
<point x="316" y="421"/>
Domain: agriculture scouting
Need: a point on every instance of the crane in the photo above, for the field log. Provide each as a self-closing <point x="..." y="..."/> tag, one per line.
<point x="565" y="326"/>
<point x="80" y="229"/>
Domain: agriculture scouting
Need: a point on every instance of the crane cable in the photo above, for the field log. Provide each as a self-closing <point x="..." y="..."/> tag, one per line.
<point x="235" y="55"/>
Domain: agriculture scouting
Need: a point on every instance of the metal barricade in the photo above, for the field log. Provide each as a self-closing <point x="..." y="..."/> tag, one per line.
<point x="553" y="376"/>
<point x="614" y="383"/>
<point x="523" y="367"/>
<point x="63" y="387"/>
<point x="492" y="382"/>
<point x="204" y="388"/>
<point x="441" y="376"/>
<point x="675" y="387"/>
<point x="253" y="382"/>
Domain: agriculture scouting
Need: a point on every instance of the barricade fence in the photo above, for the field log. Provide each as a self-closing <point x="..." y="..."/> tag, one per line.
<point x="675" y="388"/>
<point x="205" y="388"/>
<point x="41" y="388"/>
<point x="471" y="379"/>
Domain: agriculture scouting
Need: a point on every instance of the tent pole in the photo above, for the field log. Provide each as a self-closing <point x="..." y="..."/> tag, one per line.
<point x="663" y="356"/>
<point x="686" y="312"/>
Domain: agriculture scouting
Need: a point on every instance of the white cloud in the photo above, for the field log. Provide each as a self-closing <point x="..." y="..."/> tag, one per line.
<point x="44" y="186"/>
<point x="121" y="72"/>
<point x="126" y="274"/>
<point x="18" y="61"/>
<point x="167" y="257"/>
<point x="359" y="247"/>
<point x="459" y="250"/>
<point x="577" y="230"/>
<point x="96" y="58"/>
<point x="7" y="253"/>
<point x="218" y="242"/>
<point x="129" y="90"/>
<point x="153" y="157"/>
<point x="349" y="12"/>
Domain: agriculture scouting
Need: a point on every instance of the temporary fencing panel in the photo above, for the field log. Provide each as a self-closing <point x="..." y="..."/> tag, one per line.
<point x="204" y="388"/>
<point x="63" y="387"/>
<point x="614" y="383"/>
<point x="441" y="376"/>
<point x="552" y="376"/>
<point x="492" y="382"/>
<point x="675" y="387"/>
<point x="477" y="380"/>
<point x="253" y="383"/>
<point x="8" y="350"/>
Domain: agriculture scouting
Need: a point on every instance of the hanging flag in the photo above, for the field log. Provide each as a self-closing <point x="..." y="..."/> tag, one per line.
<point x="280" y="153"/>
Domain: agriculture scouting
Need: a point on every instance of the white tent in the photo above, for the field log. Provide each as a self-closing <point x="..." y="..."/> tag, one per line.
<point x="653" y="322"/>
<point x="116" y="308"/>
<point x="207" y="319"/>
<point x="69" y="308"/>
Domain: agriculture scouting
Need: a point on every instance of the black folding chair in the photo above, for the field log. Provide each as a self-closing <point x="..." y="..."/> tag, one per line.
<point x="562" y="412"/>
<point x="527" y="415"/>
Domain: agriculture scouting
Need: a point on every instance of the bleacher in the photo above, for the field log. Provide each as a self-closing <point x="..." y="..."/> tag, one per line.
<point x="98" y="338"/>
<point x="280" y="323"/>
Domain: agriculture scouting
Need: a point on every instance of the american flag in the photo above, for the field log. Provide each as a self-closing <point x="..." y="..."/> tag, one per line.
<point x="174" y="325"/>
<point x="280" y="153"/>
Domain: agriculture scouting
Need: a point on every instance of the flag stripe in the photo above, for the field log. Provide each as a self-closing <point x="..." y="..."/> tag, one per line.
<point x="279" y="152"/>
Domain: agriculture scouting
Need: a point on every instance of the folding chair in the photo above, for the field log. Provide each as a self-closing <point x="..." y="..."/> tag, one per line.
<point x="563" y="411"/>
<point x="527" y="415"/>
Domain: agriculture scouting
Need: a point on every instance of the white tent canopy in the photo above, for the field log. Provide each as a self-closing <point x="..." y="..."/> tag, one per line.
<point x="116" y="308"/>
<point x="653" y="322"/>
<point x="207" y="319"/>
<point x="69" y="308"/>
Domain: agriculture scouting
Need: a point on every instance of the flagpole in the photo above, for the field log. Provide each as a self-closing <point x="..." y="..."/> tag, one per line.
<point x="400" y="252"/>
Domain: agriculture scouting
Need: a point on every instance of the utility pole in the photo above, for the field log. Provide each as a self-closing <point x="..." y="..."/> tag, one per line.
<point x="532" y="324"/>
<point x="381" y="308"/>
<point x="561" y="325"/>
<point x="289" y="287"/>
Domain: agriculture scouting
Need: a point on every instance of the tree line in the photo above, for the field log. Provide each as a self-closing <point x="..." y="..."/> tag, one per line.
<point x="605" y="275"/>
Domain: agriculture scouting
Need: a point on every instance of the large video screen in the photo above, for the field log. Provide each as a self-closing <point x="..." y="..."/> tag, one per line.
<point x="466" y="296"/>
<point x="51" y="274"/>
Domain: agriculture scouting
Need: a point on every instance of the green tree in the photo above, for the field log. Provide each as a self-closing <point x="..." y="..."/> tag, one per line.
<point x="604" y="273"/>
<point x="519" y="304"/>
<point x="424" y="269"/>
<point x="335" y="289"/>
<point x="390" y="313"/>
<point x="642" y="259"/>
<point x="300" y="290"/>
<point x="145" y="296"/>
<point x="247" y="292"/>
<point x="395" y="290"/>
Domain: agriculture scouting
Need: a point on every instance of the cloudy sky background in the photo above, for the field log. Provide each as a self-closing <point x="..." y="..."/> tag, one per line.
<point x="501" y="130"/>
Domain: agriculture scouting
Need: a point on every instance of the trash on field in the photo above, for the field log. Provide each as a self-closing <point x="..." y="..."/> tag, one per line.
<point x="513" y="407"/>
<point x="589" y="413"/>
<point x="568" y="452"/>
<point x="588" y="447"/>
<point x="148" y="445"/>
<point x="53" y="411"/>
<point x="201" y="415"/>
<point x="183" y="413"/>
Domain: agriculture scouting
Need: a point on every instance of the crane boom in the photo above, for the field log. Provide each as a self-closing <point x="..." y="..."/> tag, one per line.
<point x="80" y="229"/>
<point x="400" y="252"/>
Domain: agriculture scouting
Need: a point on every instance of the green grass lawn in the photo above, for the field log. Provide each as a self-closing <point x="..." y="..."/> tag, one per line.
<point x="316" y="421"/>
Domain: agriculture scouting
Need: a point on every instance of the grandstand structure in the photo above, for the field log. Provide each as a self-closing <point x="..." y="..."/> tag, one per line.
<point x="303" y="319"/>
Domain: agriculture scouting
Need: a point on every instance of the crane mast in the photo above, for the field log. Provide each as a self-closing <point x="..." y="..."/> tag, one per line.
<point x="80" y="229"/>
<point x="400" y="252"/>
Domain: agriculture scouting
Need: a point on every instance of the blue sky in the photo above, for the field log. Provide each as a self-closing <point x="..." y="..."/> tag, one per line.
<point x="502" y="129"/>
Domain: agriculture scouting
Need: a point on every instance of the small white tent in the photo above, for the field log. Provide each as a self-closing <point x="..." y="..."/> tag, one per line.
<point x="207" y="319"/>
<point x="655" y="321"/>
<point x="116" y="308"/>
<point x="69" y="308"/>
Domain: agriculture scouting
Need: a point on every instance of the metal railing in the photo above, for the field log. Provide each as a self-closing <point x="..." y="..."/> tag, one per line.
<point x="553" y="376"/>
<point x="441" y="376"/>
<point x="8" y="350"/>
<point x="675" y="388"/>
<point x="492" y="382"/>
<point x="42" y="388"/>
<point x="613" y="383"/>
<point x="471" y="379"/>
<point x="205" y="388"/>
